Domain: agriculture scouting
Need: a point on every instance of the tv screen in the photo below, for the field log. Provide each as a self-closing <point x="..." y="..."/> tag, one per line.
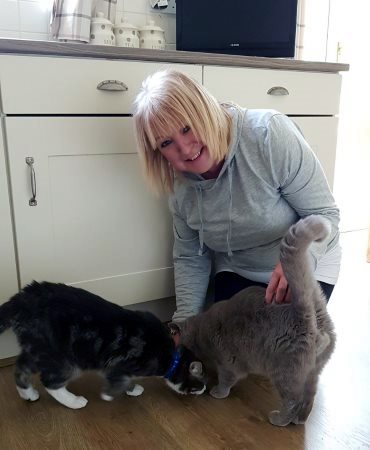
<point x="239" y="27"/>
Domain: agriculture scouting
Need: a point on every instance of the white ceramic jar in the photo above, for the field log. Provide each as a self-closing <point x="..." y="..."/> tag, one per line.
<point x="152" y="36"/>
<point x="101" y="30"/>
<point x="127" y="35"/>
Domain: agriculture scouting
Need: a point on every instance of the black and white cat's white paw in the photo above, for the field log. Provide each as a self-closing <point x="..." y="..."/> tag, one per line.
<point x="135" y="390"/>
<point x="66" y="398"/>
<point x="78" y="402"/>
<point x="29" y="393"/>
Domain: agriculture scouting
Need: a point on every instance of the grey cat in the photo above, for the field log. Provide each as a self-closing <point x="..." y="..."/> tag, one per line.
<point x="289" y="343"/>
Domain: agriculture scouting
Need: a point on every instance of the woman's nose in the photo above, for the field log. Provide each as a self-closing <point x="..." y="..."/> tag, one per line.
<point x="185" y="146"/>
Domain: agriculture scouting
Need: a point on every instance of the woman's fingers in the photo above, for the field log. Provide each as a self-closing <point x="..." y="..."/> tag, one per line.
<point x="278" y="289"/>
<point x="271" y="288"/>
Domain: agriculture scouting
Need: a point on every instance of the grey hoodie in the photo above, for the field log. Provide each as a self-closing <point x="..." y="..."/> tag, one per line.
<point x="269" y="180"/>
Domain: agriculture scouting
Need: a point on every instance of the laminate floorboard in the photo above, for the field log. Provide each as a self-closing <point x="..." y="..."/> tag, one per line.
<point x="162" y="419"/>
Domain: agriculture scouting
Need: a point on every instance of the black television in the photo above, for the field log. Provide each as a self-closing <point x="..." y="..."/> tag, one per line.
<point x="237" y="27"/>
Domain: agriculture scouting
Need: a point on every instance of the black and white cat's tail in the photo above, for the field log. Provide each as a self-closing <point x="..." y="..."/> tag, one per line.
<point x="8" y="312"/>
<point x="297" y="263"/>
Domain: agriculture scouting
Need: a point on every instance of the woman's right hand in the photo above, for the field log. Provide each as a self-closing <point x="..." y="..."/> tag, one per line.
<point x="278" y="288"/>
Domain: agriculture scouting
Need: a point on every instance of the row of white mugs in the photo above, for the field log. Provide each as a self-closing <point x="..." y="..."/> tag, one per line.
<point x="124" y="34"/>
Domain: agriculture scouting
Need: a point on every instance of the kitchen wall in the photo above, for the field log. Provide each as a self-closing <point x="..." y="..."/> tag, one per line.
<point x="29" y="19"/>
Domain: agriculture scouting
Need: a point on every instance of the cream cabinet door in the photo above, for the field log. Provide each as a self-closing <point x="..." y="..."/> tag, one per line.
<point x="95" y="225"/>
<point x="8" y="272"/>
<point x="321" y="134"/>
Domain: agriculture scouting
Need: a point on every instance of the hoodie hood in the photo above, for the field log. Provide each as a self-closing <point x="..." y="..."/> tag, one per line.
<point x="192" y="179"/>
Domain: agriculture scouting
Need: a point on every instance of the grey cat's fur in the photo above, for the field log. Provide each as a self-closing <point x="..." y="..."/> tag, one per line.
<point x="290" y="343"/>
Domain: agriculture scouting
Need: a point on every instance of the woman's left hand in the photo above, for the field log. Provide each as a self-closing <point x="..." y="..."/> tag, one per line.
<point x="278" y="289"/>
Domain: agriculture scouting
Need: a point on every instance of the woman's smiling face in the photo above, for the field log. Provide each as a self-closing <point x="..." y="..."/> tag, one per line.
<point x="186" y="153"/>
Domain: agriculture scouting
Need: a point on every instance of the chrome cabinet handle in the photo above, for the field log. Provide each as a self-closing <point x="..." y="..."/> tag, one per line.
<point x="278" y="90"/>
<point x="112" y="85"/>
<point x="29" y="162"/>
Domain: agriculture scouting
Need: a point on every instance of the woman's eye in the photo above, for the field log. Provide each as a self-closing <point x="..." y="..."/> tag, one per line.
<point x="165" y="143"/>
<point x="185" y="129"/>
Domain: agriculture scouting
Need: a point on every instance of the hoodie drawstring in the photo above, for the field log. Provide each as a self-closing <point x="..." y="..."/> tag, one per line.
<point x="198" y="190"/>
<point x="199" y="194"/>
<point x="228" y="238"/>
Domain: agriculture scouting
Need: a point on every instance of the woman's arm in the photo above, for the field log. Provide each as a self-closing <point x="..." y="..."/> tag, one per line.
<point x="298" y="175"/>
<point x="192" y="267"/>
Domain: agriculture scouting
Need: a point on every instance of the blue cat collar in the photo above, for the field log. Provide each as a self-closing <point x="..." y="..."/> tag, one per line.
<point x="174" y="364"/>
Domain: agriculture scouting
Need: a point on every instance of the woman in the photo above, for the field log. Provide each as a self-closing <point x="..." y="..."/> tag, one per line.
<point x="237" y="180"/>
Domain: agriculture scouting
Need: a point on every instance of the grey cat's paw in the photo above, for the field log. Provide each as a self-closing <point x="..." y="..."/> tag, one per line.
<point x="303" y="413"/>
<point x="219" y="392"/>
<point x="298" y="421"/>
<point x="278" y="419"/>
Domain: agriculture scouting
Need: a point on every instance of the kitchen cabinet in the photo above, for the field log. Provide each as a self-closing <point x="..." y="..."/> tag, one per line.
<point x="93" y="222"/>
<point x="75" y="207"/>
<point x="311" y="99"/>
<point x="95" y="225"/>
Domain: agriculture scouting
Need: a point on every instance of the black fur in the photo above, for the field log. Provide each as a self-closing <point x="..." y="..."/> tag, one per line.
<point x="62" y="329"/>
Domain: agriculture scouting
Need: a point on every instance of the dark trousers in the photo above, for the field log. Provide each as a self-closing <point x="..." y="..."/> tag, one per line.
<point x="229" y="283"/>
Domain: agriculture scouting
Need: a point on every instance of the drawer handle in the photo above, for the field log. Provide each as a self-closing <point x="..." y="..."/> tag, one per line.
<point x="29" y="162"/>
<point x="278" y="90"/>
<point x="112" y="85"/>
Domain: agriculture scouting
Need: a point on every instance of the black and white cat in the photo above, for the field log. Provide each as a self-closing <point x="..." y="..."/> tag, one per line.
<point x="289" y="343"/>
<point x="63" y="330"/>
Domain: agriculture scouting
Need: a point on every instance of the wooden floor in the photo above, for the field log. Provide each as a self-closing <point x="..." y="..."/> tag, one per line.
<point x="161" y="419"/>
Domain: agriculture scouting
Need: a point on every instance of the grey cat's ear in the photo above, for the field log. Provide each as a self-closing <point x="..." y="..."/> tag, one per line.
<point x="196" y="368"/>
<point x="174" y="328"/>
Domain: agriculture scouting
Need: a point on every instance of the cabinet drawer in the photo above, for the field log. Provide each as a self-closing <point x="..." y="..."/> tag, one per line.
<point x="308" y="93"/>
<point x="37" y="85"/>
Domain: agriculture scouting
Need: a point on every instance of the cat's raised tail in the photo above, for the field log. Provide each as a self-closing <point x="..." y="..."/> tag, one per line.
<point x="297" y="263"/>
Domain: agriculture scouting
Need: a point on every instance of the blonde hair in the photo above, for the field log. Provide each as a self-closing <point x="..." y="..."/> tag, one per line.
<point x="168" y="101"/>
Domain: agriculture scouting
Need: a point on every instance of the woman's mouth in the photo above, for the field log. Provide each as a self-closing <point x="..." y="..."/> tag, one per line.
<point x="196" y="156"/>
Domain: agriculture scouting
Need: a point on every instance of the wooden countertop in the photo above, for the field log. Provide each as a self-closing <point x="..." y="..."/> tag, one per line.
<point x="51" y="48"/>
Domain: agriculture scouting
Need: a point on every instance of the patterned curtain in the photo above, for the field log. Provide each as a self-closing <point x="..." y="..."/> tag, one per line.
<point x="70" y="20"/>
